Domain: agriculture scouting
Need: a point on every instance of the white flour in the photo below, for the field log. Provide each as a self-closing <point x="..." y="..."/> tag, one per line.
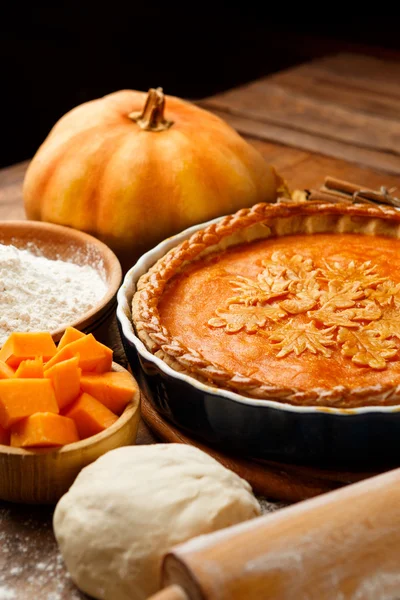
<point x="6" y="593"/>
<point x="38" y="294"/>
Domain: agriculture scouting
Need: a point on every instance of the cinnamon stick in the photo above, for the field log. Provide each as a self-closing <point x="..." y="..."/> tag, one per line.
<point x="328" y="196"/>
<point x="358" y="193"/>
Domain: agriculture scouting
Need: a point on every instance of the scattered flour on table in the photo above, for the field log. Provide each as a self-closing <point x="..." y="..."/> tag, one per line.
<point x="31" y="568"/>
<point x="6" y="593"/>
<point x="29" y="554"/>
<point x="38" y="294"/>
<point x="269" y="507"/>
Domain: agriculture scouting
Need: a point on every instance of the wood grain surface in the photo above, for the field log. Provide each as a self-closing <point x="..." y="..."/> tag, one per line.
<point x="346" y="106"/>
<point x="287" y="483"/>
<point x="305" y="141"/>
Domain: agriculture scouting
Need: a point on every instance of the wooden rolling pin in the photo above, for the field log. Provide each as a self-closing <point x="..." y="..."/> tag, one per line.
<point x="344" y="544"/>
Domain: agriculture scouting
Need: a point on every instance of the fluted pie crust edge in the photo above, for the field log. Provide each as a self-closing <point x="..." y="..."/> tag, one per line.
<point x="259" y="222"/>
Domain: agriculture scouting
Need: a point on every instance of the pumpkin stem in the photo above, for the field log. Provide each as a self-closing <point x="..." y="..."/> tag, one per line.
<point x="152" y="116"/>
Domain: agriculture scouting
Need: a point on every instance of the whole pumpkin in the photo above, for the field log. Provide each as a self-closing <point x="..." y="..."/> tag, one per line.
<point x="120" y="169"/>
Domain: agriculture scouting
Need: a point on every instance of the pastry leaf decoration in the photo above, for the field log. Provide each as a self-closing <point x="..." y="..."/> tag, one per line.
<point x="299" y="304"/>
<point x="341" y="294"/>
<point x="364" y="274"/>
<point x="305" y="295"/>
<point x="349" y="306"/>
<point x="365" y="349"/>
<point x="298" y="337"/>
<point x="348" y="317"/>
<point x="248" y="318"/>
<point x="385" y="294"/>
<point x="258" y="292"/>
<point x="387" y="327"/>
<point x="294" y="268"/>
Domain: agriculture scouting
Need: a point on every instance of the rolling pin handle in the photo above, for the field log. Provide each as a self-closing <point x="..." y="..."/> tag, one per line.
<point x="172" y="592"/>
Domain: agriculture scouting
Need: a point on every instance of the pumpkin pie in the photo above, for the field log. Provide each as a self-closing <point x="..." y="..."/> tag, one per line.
<point x="294" y="302"/>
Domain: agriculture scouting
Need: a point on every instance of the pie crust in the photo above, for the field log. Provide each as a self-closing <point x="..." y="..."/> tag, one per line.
<point x="335" y="324"/>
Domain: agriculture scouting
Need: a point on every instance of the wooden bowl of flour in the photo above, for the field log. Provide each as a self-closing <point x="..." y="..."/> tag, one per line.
<point x="42" y="476"/>
<point x="57" y="242"/>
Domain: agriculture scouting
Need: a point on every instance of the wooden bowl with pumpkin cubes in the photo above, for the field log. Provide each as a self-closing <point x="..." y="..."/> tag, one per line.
<point x="60" y="409"/>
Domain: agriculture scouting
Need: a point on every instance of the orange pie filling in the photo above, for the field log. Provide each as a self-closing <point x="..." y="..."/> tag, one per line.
<point x="298" y="311"/>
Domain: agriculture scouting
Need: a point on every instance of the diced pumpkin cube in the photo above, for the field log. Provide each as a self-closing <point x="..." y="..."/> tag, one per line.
<point x="65" y="377"/>
<point x="30" y="368"/>
<point x="70" y="335"/>
<point x="20" y="398"/>
<point x="4" y="436"/>
<point x="93" y="356"/>
<point x="20" y="346"/>
<point x="5" y="371"/>
<point x="43" y="429"/>
<point x="112" y="389"/>
<point x="90" y="415"/>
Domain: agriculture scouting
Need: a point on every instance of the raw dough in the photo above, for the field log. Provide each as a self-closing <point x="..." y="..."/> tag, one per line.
<point x="129" y="507"/>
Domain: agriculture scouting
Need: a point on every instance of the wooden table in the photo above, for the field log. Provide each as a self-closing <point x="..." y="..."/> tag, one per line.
<point x="337" y="116"/>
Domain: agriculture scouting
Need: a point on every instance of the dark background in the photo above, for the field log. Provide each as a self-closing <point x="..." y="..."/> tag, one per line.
<point x="56" y="56"/>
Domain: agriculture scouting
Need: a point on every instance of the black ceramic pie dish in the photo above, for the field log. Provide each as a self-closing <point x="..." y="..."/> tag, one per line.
<point x="359" y="438"/>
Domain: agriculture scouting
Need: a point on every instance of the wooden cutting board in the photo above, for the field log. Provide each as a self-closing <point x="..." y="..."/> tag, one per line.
<point x="277" y="481"/>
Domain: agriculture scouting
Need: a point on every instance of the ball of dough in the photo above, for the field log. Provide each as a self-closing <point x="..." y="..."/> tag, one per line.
<point x="133" y="504"/>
